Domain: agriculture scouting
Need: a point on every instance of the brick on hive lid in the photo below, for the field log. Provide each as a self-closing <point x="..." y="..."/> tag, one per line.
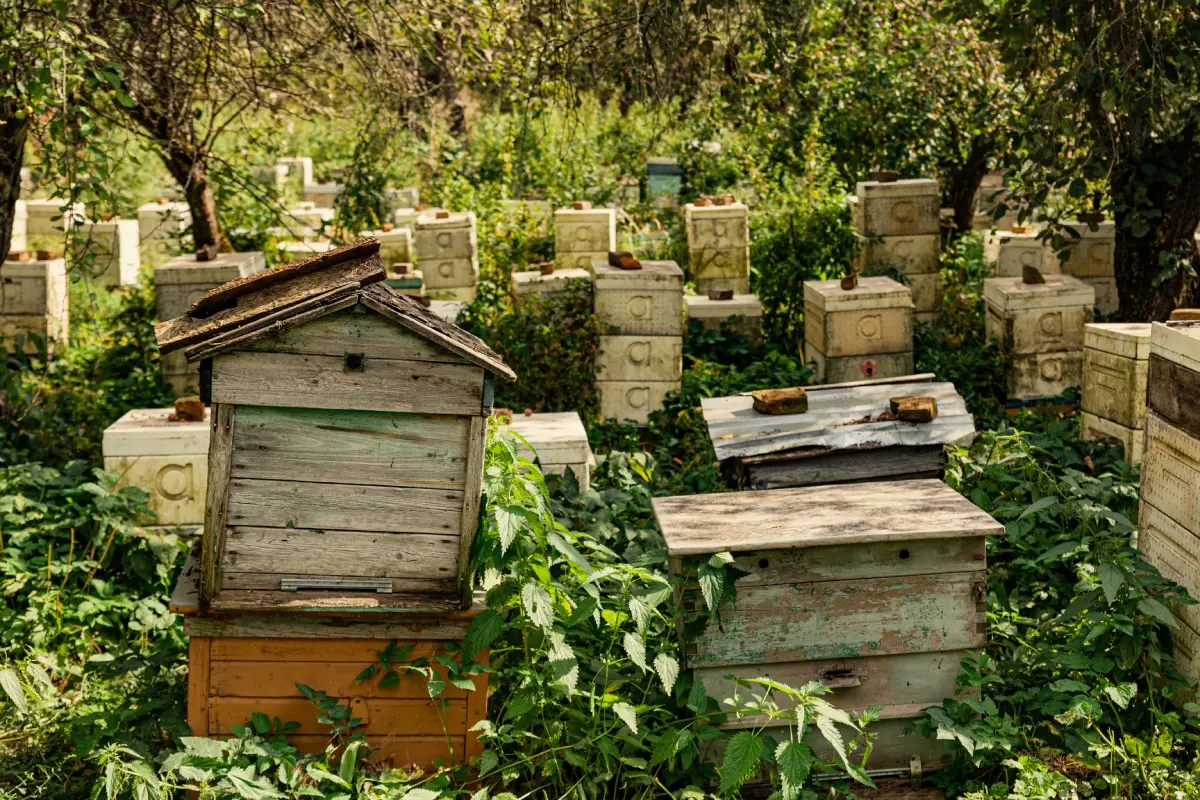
<point x="793" y="400"/>
<point x="915" y="408"/>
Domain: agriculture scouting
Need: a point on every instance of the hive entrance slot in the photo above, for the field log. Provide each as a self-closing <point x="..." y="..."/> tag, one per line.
<point x="354" y="362"/>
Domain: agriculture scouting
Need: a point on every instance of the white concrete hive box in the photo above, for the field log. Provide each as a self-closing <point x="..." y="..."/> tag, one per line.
<point x="20" y="226"/>
<point x="395" y="246"/>
<point x="718" y="239"/>
<point x="742" y="313"/>
<point x="1012" y="252"/>
<point x="532" y="283"/>
<point x="860" y="333"/>
<point x="52" y="216"/>
<point x="847" y="435"/>
<point x="1116" y="360"/>
<point x="162" y="226"/>
<point x="913" y="255"/>
<point x="1092" y="258"/>
<point x="34" y="299"/>
<point x="1039" y="328"/>
<point x="446" y="252"/>
<point x="109" y="252"/>
<point x="324" y="195"/>
<point x="582" y="236"/>
<point x="640" y="301"/>
<point x="346" y="459"/>
<point x="560" y="442"/>
<point x="395" y="199"/>
<point x="182" y="281"/>
<point x="169" y="460"/>
<point x="898" y="208"/>
<point x="299" y="172"/>
<point x="876" y="589"/>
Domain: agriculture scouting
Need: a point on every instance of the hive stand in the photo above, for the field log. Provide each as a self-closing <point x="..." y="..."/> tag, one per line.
<point x="1115" y="365"/>
<point x="877" y="590"/>
<point x="34" y="299"/>
<point x="840" y="438"/>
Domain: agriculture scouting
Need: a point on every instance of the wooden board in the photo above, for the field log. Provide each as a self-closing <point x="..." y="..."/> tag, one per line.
<point x="414" y="625"/>
<point x="846" y="466"/>
<point x="856" y="561"/>
<point x="220" y="456"/>
<point x="260" y="679"/>
<point x="356" y="330"/>
<point x="815" y="516"/>
<point x="1176" y="553"/>
<point x="304" y="381"/>
<point x="1171" y="472"/>
<point x="1172" y="392"/>
<point x="351" y="447"/>
<point x="846" y="619"/>
<point x="415" y="717"/>
<point x="472" y="498"/>
<point x="254" y="601"/>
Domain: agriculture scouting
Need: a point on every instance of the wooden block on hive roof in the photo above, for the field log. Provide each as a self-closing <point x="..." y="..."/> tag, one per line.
<point x="780" y="401"/>
<point x="915" y="409"/>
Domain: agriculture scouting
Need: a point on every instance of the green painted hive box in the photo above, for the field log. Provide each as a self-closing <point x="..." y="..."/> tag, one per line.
<point x="875" y="590"/>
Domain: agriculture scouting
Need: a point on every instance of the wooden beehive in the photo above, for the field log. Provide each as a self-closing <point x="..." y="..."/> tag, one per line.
<point x="245" y="663"/>
<point x="1115" y="365"/>
<point x="583" y="235"/>
<point x="168" y="460"/>
<point x="840" y="439"/>
<point x="1039" y="329"/>
<point x="718" y="240"/>
<point x="182" y="281"/>
<point x="34" y="299"/>
<point x="347" y="421"/>
<point x="917" y="257"/>
<point x="864" y="332"/>
<point x="877" y="590"/>
<point x="446" y="252"/>
<point x="560" y="442"/>
<point x="113" y="251"/>
<point x="743" y="312"/>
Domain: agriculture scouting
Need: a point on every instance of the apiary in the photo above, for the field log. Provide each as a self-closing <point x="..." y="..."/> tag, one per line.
<point x="1039" y="329"/>
<point x="162" y="226"/>
<point x="742" y="313"/>
<point x="1116" y="360"/>
<point x="445" y="246"/>
<point x="165" y="458"/>
<point x="664" y="181"/>
<point x="858" y="333"/>
<point x="299" y="173"/>
<point x="52" y="216"/>
<point x="718" y="241"/>
<point x="347" y="420"/>
<point x="875" y="589"/>
<point x="559" y="441"/>
<point x="641" y="354"/>
<point x="306" y="220"/>
<point x="535" y="283"/>
<point x="20" y="225"/>
<point x="109" y="252"/>
<point x="897" y="225"/>
<point x="395" y="245"/>
<point x="1010" y="251"/>
<point x="323" y="195"/>
<point x="395" y="199"/>
<point x="583" y="234"/>
<point x="182" y="281"/>
<point x="1090" y="256"/>
<point x="847" y="435"/>
<point x="34" y="300"/>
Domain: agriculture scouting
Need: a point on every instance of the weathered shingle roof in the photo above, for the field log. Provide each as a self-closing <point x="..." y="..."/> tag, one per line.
<point x="267" y="303"/>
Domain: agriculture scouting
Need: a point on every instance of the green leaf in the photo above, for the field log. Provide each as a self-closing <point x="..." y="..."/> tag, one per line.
<point x="482" y="631"/>
<point x="668" y="671"/>
<point x="1060" y="550"/>
<point x="1121" y="694"/>
<point x="537" y="604"/>
<point x="488" y="761"/>
<point x="509" y="522"/>
<point x="1112" y="578"/>
<point x="832" y="735"/>
<point x="697" y="697"/>
<point x="420" y="793"/>
<point x="1152" y="608"/>
<point x="795" y="760"/>
<point x="635" y="648"/>
<point x="743" y="754"/>
<point x="11" y="683"/>
<point x="712" y="585"/>
<point x="627" y="714"/>
<point x="349" y="761"/>
<point x="1037" y="506"/>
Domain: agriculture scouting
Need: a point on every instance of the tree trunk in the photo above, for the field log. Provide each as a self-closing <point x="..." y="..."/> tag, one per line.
<point x="965" y="179"/>
<point x="12" y="155"/>
<point x="189" y="170"/>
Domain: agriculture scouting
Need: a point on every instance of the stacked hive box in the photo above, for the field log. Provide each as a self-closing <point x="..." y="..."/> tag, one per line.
<point x="641" y="357"/>
<point x="535" y="283"/>
<point x="167" y="459"/>
<point x="299" y="173"/>
<point x="1011" y="251"/>
<point x="583" y="234"/>
<point x="323" y="195"/>
<point x="446" y="252"/>
<point x="897" y="224"/>
<point x="859" y="333"/>
<point x="184" y="280"/>
<point x="875" y="590"/>
<point x="20" y="225"/>
<point x="161" y="226"/>
<point x="559" y="441"/>
<point x="109" y="252"/>
<point x="395" y="245"/>
<point x="1115" y="363"/>
<point x="1039" y="328"/>
<point x="1170" y="509"/>
<point x="718" y="240"/>
<point x="1090" y="257"/>
<point x="50" y="217"/>
<point x="344" y="488"/>
<point x="33" y="299"/>
<point x="743" y="312"/>
<point x="307" y="221"/>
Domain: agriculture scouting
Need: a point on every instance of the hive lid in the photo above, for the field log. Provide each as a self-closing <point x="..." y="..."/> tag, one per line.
<point x="578" y="216"/>
<point x="734" y="209"/>
<point x="1125" y="339"/>
<point x="225" y="267"/>
<point x="1104" y="230"/>
<point x="558" y="437"/>
<point x="1178" y="342"/>
<point x="1013" y="294"/>
<point x="704" y="307"/>
<point x="148" y="432"/>
<point x="652" y="275"/>
<point x="34" y="269"/>
<point x="818" y="516"/>
<point x="874" y="292"/>
<point x="428" y="220"/>
<point x="112" y="226"/>
<point x="913" y="187"/>
<point x="663" y="165"/>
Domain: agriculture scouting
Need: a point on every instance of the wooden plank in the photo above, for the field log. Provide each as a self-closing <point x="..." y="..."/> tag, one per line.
<point x="185" y="597"/>
<point x="380" y="624"/>
<point x="845" y="619"/>
<point x="921" y="377"/>
<point x="414" y="717"/>
<point x="857" y="561"/>
<point x="272" y="553"/>
<point x="368" y="333"/>
<point x="342" y="297"/>
<point x="303" y="381"/>
<point x="315" y="602"/>
<point x="401" y="752"/>
<point x="472" y="497"/>
<point x="844" y="466"/>
<point x="279" y="678"/>
<point x="199" y="666"/>
<point x="312" y="580"/>
<point x="815" y="516"/>
<point x="359" y="447"/>
<point x="1175" y="552"/>
<point x="332" y="506"/>
<point x="295" y="649"/>
<point x="477" y="707"/>
<point x="1171" y="472"/>
<point x="220" y="457"/>
<point x="1171" y="393"/>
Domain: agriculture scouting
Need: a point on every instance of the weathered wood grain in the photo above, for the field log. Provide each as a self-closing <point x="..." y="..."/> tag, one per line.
<point x="1172" y="391"/>
<point x="819" y="515"/>
<point x="855" y="561"/>
<point x="314" y="580"/>
<point x="259" y="679"/>
<point x="1175" y="552"/>
<point x="354" y="648"/>
<point x="401" y="752"/>
<point x="332" y="506"/>
<point x="185" y="596"/>
<point x="845" y="619"/>
<point x="220" y="456"/>
<point x="414" y="717"/>
<point x="472" y="494"/>
<point x="257" y="558"/>
<point x="358" y="447"/>
<point x="199" y="665"/>
<point x="370" y="333"/>
<point x="843" y="466"/>
<point x="379" y="624"/>
<point x="285" y="319"/>
<point x="304" y="381"/>
<point x="320" y="602"/>
<point x="1171" y="472"/>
